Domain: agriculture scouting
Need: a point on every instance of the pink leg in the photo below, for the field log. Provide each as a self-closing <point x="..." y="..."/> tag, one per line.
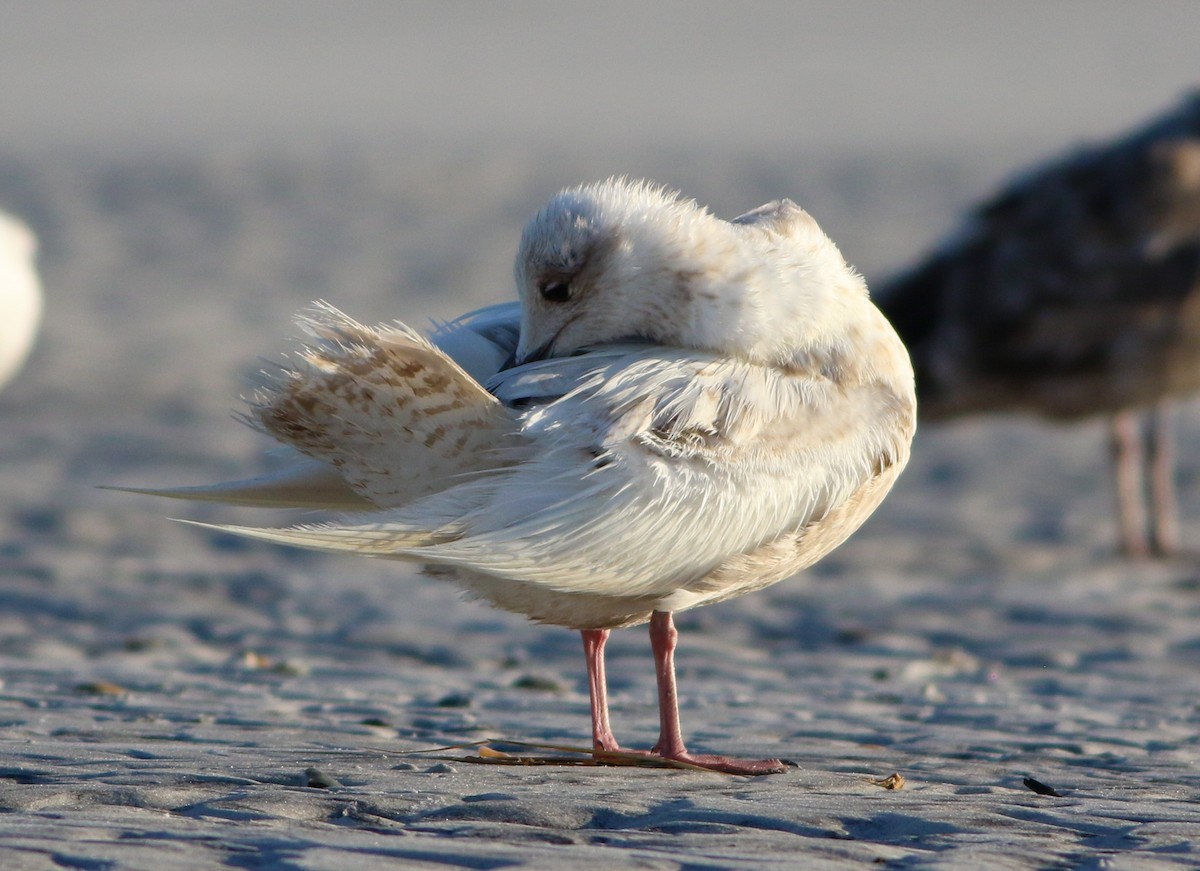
<point x="1127" y="469"/>
<point x="593" y="651"/>
<point x="663" y="637"/>
<point x="1164" y="518"/>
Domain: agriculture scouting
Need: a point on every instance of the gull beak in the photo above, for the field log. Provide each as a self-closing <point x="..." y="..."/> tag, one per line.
<point x="539" y="353"/>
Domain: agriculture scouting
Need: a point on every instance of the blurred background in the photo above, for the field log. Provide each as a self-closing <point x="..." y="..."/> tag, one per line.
<point x="196" y="172"/>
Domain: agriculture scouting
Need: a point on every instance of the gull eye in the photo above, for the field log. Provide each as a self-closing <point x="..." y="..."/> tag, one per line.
<point x="555" y="291"/>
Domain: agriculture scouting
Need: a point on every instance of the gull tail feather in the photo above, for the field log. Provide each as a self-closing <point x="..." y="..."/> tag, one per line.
<point x="308" y="485"/>
<point x="388" y="542"/>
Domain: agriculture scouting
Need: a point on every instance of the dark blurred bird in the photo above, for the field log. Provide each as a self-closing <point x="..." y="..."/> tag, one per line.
<point x="1075" y="292"/>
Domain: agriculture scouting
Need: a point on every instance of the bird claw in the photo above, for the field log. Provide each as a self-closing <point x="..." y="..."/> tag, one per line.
<point x="731" y="765"/>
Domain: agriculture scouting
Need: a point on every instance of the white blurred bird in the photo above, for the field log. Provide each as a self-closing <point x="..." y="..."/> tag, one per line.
<point x="680" y="410"/>
<point x="20" y="295"/>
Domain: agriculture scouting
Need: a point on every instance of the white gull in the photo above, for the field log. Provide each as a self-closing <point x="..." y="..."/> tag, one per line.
<point x="680" y="410"/>
<point x="20" y="295"/>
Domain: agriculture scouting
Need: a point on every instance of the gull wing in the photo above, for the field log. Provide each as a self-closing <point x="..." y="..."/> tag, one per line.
<point x="392" y="415"/>
<point x="386" y="415"/>
<point x="655" y="467"/>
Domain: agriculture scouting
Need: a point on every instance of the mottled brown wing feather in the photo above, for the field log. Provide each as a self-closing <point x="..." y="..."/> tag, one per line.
<point x="396" y="417"/>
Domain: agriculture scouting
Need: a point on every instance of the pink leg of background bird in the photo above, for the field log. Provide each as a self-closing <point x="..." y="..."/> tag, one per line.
<point x="1127" y="460"/>
<point x="1144" y="467"/>
<point x="1164" y="502"/>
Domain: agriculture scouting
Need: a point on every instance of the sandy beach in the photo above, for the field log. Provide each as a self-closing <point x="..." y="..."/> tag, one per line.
<point x="177" y="698"/>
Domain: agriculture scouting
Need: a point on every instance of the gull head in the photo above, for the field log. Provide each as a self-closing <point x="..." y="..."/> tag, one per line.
<point x="624" y="260"/>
